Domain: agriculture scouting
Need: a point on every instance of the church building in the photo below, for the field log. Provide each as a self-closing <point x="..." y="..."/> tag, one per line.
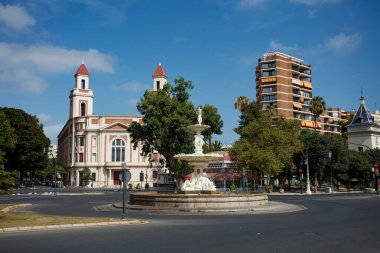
<point x="102" y="142"/>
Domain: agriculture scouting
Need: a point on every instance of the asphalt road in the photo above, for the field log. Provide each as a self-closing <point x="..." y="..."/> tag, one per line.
<point x="332" y="223"/>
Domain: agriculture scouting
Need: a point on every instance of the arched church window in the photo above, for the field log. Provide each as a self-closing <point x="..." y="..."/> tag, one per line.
<point x="83" y="83"/>
<point x="82" y="109"/>
<point x="118" y="150"/>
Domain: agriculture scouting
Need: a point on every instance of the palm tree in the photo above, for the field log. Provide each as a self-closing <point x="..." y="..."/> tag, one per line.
<point x="317" y="107"/>
<point x="240" y="101"/>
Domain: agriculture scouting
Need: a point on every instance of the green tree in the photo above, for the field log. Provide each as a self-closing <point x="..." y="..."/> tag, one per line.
<point x="317" y="106"/>
<point x="212" y="118"/>
<point x="48" y="171"/>
<point x="166" y="115"/>
<point x="267" y="144"/>
<point x="215" y="146"/>
<point x="359" y="167"/>
<point x="29" y="153"/>
<point x="7" y="181"/>
<point x="7" y="137"/>
<point x="86" y="176"/>
<point x="322" y="165"/>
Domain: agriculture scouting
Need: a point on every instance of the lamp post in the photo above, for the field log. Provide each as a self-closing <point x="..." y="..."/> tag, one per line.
<point x="124" y="179"/>
<point x="308" y="191"/>
<point x="376" y="171"/>
<point x="331" y="181"/>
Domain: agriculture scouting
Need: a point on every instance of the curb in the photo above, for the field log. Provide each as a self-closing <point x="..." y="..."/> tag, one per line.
<point x="270" y="208"/>
<point x="10" y="208"/>
<point x="78" y="225"/>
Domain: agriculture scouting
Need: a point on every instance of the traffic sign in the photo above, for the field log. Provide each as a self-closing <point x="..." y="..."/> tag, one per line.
<point x="127" y="174"/>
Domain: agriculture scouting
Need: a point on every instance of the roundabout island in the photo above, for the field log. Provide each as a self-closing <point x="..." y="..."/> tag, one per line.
<point x="199" y="193"/>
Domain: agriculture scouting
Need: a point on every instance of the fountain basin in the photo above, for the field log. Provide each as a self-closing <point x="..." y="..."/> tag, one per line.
<point x="197" y="202"/>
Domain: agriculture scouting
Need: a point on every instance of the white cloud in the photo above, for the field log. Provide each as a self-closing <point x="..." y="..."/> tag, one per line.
<point x="44" y="118"/>
<point x="315" y="2"/>
<point x="52" y="131"/>
<point x="23" y="68"/>
<point x="278" y="47"/>
<point x="134" y="86"/>
<point x="15" y="17"/>
<point x="343" y="43"/>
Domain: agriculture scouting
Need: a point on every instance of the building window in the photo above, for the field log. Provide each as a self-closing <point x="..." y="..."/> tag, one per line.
<point x="360" y="149"/>
<point x="269" y="73"/>
<point x="82" y="109"/>
<point x="83" y="84"/>
<point x="94" y="157"/>
<point x="268" y="65"/>
<point x="154" y="174"/>
<point x="80" y="157"/>
<point x="269" y="97"/>
<point x="118" y="151"/>
<point x="93" y="176"/>
<point x="81" y="141"/>
<point x="158" y="85"/>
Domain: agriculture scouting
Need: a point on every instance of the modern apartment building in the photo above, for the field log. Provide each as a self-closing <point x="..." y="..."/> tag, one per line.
<point x="284" y="83"/>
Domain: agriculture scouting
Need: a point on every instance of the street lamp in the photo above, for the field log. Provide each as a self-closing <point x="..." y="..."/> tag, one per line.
<point x="308" y="191"/>
<point x="331" y="181"/>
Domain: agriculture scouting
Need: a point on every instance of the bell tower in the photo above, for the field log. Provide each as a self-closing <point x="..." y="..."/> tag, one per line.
<point x="159" y="78"/>
<point x="81" y="97"/>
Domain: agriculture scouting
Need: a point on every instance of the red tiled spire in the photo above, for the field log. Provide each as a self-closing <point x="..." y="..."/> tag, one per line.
<point x="159" y="72"/>
<point x="82" y="70"/>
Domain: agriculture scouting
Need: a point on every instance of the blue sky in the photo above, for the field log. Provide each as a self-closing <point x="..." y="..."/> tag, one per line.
<point x="215" y="44"/>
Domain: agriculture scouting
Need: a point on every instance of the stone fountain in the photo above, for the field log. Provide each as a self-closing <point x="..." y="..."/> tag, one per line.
<point x="199" y="180"/>
<point x="199" y="193"/>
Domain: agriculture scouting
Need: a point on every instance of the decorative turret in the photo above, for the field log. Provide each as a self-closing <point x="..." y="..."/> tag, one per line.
<point x="362" y="115"/>
<point x="81" y="97"/>
<point x="82" y="78"/>
<point x="159" y="78"/>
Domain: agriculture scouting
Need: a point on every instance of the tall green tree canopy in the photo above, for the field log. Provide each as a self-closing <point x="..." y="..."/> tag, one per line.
<point x="7" y="137"/>
<point x="166" y="115"/>
<point x="267" y="144"/>
<point x="213" y="119"/>
<point x="31" y="143"/>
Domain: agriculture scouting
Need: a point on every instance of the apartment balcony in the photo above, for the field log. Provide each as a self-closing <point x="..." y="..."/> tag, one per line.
<point x="268" y="90"/>
<point x="296" y="81"/>
<point x="310" y="124"/>
<point x="307" y="85"/>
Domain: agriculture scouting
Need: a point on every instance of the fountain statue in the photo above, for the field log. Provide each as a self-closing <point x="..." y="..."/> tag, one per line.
<point x="199" y="180"/>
